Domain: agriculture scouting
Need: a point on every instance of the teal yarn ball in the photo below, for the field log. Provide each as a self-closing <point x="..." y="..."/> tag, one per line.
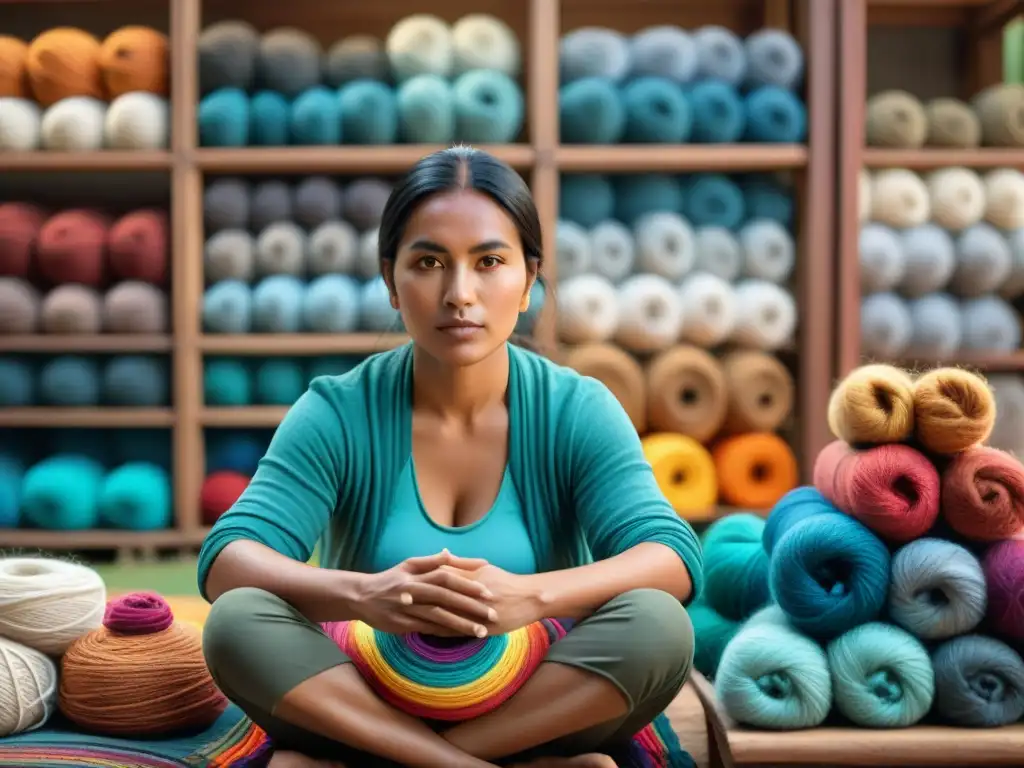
<point x="369" y="113"/>
<point x="17" y="383"/>
<point x="70" y="381"/>
<point x="637" y="194"/>
<point x="882" y="676"/>
<point x="718" y="113"/>
<point x="62" y="493"/>
<point x="12" y="473"/>
<point x="736" y="566"/>
<point x="224" y="119"/>
<point x="829" y="573"/>
<point x="586" y="199"/>
<point x="715" y="200"/>
<point x="770" y="676"/>
<point x="279" y="382"/>
<point x="796" y="505"/>
<point x="775" y="116"/>
<point x="657" y="112"/>
<point x="316" y="118"/>
<point x="489" y="107"/>
<point x="136" y="496"/>
<point x="269" y="119"/>
<point x="591" y="112"/>
<point x="767" y="198"/>
<point x="226" y="382"/>
<point x="227" y="307"/>
<point x="712" y="633"/>
<point x="426" y="110"/>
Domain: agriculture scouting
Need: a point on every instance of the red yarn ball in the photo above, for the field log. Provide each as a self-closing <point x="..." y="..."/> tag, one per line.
<point x="1004" y="577"/>
<point x="72" y="248"/>
<point x="137" y="246"/>
<point x="221" y="490"/>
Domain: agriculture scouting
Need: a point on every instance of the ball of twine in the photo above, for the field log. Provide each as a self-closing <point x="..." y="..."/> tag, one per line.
<point x="953" y="410"/>
<point x="48" y="604"/>
<point x="140" y="674"/>
<point x="873" y="404"/>
<point x="28" y="688"/>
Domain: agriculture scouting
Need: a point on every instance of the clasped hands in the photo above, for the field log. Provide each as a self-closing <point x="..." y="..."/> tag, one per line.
<point x="447" y="596"/>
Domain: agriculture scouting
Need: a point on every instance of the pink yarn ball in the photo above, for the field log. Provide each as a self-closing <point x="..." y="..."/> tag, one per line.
<point x="140" y="613"/>
<point x="1004" y="576"/>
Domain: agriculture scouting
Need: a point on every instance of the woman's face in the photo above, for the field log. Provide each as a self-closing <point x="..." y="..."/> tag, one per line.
<point x="460" y="277"/>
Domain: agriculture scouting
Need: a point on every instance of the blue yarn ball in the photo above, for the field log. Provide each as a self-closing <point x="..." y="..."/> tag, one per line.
<point x="426" y="110"/>
<point x="277" y="304"/>
<point x="226" y="383"/>
<point x="223" y="117"/>
<point x="62" y="493"/>
<point x="775" y="116"/>
<point x="279" y="382"/>
<point x="489" y="107"/>
<point x="17" y="383"/>
<point x="766" y="198"/>
<point x="795" y="506"/>
<point x="12" y="474"/>
<point x="718" y="113"/>
<point x="715" y="200"/>
<point x="269" y="118"/>
<point x="136" y="496"/>
<point x="71" y="381"/>
<point x="316" y="118"/>
<point x="331" y="304"/>
<point x="637" y="194"/>
<point x="369" y="112"/>
<point x="591" y="112"/>
<point x="375" y="310"/>
<point x="586" y="199"/>
<point x="657" y="112"/>
<point x="136" y="381"/>
<point x="233" y="451"/>
<point x="829" y="573"/>
<point x="227" y="307"/>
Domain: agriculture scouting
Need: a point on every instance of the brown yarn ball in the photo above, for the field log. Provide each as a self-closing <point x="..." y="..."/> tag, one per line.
<point x="952" y="123"/>
<point x="13" y="80"/>
<point x="1000" y="109"/>
<point x="134" y="58"/>
<point x="896" y="119"/>
<point x="64" y="62"/>
<point x="873" y="405"/>
<point x="954" y="410"/>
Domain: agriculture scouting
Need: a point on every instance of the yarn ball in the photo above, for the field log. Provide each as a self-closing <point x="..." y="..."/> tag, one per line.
<point x="772" y="677"/>
<point x="983" y="494"/>
<point x="979" y="682"/>
<point x="28" y="688"/>
<point x="1004" y="574"/>
<point x="829" y="573"/>
<point x="49" y="604"/>
<point x="712" y="632"/>
<point x="219" y="491"/>
<point x="881" y="676"/>
<point x="872" y="404"/>
<point x="140" y="674"/>
<point x="796" y="505"/>
<point x="735" y="566"/>
<point x="937" y="589"/>
<point x="953" y="410"/>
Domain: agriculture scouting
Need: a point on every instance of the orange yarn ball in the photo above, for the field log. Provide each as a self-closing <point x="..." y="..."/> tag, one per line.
<point x="64" y="62"/>
<point x="13" y="53"/>
<point x="134" y="59"/>
<point x="874" y="404"/>
<point x="953" y="410"/>
<point x="755" y="469"/>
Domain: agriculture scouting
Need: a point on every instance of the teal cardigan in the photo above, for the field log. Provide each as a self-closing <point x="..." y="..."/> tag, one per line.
<point x="575" y="458"/>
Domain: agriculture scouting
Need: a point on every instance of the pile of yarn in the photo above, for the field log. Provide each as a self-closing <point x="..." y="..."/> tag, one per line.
<point x="650" y="260"/>
<point x="941" y="261"/>
<point x="83" y="270"/>
<point x="84" y="381"/>
<point x="669" y="85"/>
<point x="68" y="91"/>
<point x="896" y="579"/>
<point x="427" y="82"/>
<point x="45" y="607"/>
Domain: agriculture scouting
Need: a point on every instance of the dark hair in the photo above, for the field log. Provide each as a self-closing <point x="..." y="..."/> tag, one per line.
<point x="457" y="168"/>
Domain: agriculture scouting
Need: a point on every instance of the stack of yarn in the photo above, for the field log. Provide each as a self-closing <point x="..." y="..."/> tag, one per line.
<point x="668" y="85"/>
<point x="239" y="382"/>
<point x="427" y="82"/>
<point x="941" y="260"/>
<point x="894" y="582"/>
<point x="68" y="91"/>
<point x="82" y="270"/>
<point x="84" y="381"/>
<point x="117" y="668"/>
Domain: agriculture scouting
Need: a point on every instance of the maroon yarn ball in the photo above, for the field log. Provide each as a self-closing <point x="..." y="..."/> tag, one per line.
<point x="140" y="613"/>
<point x="1004" y="577"/>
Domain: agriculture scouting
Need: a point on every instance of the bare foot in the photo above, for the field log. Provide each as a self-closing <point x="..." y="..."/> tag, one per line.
<point x="593" y="760"/>
<point x="298" y="760"/>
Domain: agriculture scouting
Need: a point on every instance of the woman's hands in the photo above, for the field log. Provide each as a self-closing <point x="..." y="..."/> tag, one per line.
<point x="517" y="600"/>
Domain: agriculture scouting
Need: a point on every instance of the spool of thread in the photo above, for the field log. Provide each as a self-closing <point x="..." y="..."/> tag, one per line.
<point x="28" y="688"/>
<point x="937" y="589"/>
<point x="1004" y="575"/>
<point x="892" y="489"/>
<point x="617" y="370"/>
<point x="983" y="494"/>
<point x="979" y="682"/>
<point x="686" y="393"/>
<point x="445" y="679"/>
<point x="873" y="404"/>
<point x="712" y="632"/>
<point x="685" y="473"/>
<point x="881" y="676"/>
<point x="140" y="674"/>
<point x="754" y="469"/>
<point x="829" y="573"/>
<point x="772" y="677"/>
<point x="48" y="604"/>
<point x="953" y="410"/>
<point x="760" y="392"/>
<point x="736" y="566"/>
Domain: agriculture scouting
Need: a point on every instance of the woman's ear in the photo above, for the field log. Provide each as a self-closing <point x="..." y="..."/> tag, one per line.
<point x="532" y="275"/>
<point x="387" y="272"/>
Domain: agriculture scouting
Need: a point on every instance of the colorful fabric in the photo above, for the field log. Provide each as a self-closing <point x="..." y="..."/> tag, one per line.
<point x="233" y="741"/>
<point x="656" y="746"/>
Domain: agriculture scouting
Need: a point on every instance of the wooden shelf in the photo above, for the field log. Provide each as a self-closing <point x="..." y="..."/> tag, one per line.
<point x="628" y="158"/>
<point x="337" y="159"/>
<point x="108" y="418"/>
<point x="931" y="158"/>
<point x="300" y="344"/>
<point x="18" y="538"/>
<point x="100" y="160"/>
<point x="244" y="417"/>
<point x="113" y="343"/>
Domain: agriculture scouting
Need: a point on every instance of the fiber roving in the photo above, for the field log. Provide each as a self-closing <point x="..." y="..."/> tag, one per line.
<point x="937" y="589"/>
<point x="983" y="494"/>
<point x="953" y="410"/>
<point x="770" y="676"/>
<point x="736" y="566"/>
<point x="28" y="688"/>
<point x="892" y="489"/>
<point x="979" y="682"/>
<point x="881" y="676"/>
<point x="140" y="674"/>
<point x="829" y="573"/>
<point x="1004" y="575"/>
<point x="873" y="404"/>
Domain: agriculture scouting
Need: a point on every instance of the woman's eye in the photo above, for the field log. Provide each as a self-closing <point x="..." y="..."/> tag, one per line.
<point x="429" y="262"/>
<point x="491" y="261"/>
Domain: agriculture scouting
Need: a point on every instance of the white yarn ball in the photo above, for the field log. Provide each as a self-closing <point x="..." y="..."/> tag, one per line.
<point x="28" y="688"/>
<point x="368" y="260"/>
<point x="20" y="121"/>
<point x="137" y="121"/>
<point x="420" y="44"/>
<point x="74" y="124"/>
<point x="650" y="313"/>
<point x="588" y="309"/>
<point x="48" y="604"/>
<point x="483" y="41"/>
<point x="766" y="315"/>
<point x="709" y="309"/>
<point x="665" y="244"/>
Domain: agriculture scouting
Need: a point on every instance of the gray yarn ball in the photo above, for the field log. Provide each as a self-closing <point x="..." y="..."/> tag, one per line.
<point x="719" y="252"/>
<point x="271" y="202"/>
<point x="881" y="258"/>
<point x="594" y="52"/>
<point x="356" y="57"/>
<point x="316" y="199"/>
<point x="289" y="61"/>
<point x="937" y="325"/>
<point x="226" y="205"/>
<point x="990" y="325"/>
<point x="886" y="326"/>
<point x="227" y="54"/>
<point x="720" y="55"/>
<point x="229" y="255"/>
<point x="664" y="51"/>
<point x="929" y="258"/>
<point x="983" y="261"/>
<point x="979" y="682"/>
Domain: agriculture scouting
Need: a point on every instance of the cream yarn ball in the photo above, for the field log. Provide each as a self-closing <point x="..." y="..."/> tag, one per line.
<point x="47" y="604"/>
<point x="28" y="688"/>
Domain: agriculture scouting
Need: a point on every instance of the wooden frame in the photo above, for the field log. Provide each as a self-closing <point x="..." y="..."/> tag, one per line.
<point x="539" y="155"/>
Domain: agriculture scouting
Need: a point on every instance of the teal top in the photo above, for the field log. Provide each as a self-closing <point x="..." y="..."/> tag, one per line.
<point x="335" y="464"/>
<point x="499" y="537"/>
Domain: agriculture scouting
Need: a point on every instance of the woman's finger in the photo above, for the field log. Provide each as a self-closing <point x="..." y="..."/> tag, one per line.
<point x="433" y="614"/>
<point x="453" y="580"/>
<point x="427" y="594"/>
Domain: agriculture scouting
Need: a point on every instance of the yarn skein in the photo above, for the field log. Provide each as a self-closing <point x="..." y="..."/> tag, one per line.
<point x="1004" y="576"/>
<point x="979" y="682"/>
<point x="736" y="566"/>
<point x="28" y="688"/>
<point x="983" y="494"/>
<point x="953" y="410"/>
<point x="881" y="676"/>
<point x="873" y="404"/>
<point x="141" y="674"/>
<point x="48" y="604"/>
<point x="937" y="590"/>
<point x="799" y="504"/>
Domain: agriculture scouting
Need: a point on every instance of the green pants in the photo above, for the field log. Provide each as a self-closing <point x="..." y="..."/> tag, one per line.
<point x="258" y="648"/>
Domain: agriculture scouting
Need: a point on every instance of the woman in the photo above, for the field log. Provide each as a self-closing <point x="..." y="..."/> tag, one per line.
<point x="458" y="485"/>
